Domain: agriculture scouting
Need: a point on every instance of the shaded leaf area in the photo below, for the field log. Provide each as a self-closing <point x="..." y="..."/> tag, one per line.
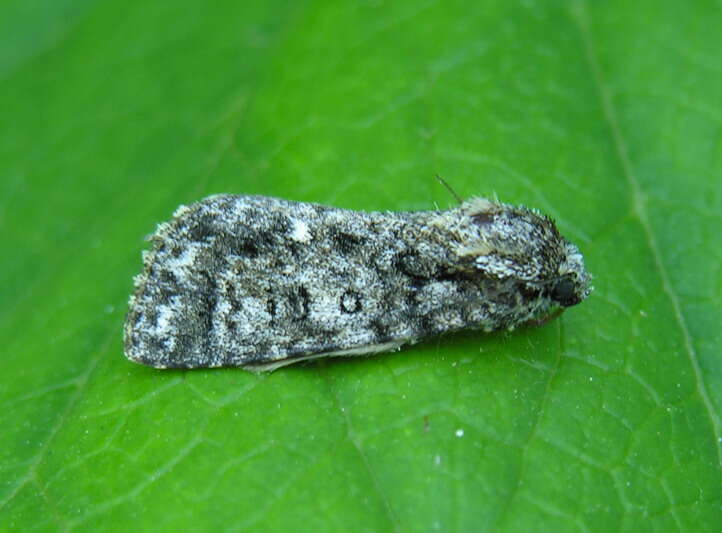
<point x="604" y="115"/>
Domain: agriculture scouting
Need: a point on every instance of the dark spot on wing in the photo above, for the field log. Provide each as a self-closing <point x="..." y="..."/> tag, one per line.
<point x="529" y="292"/>
<point x="232" y="298"/>
<point x="166" y="276"/>
<point x="298" y="302"/>
<point x="280" y="224"/>
<point x="152" y="316"/>
<point x="241" y="245"/>
<point x="156" y="345"/>
<point x="412" y="298"/>
<point x="381" y="330"/>
<point x="136" y="317"/>
<point x="346" y="243"/>
<point x="165" y="294"/>
<point x="427" y="324"/>
<point x="168" y="286"/>
<point x="271" y="307"/>
<point x="463" y="281"/>
<point x="202" y="229"/>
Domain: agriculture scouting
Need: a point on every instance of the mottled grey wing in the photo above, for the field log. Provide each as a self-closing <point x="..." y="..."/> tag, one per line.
<point x="261" y="282"/>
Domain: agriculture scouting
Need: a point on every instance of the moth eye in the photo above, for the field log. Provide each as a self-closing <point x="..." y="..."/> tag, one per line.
<point x="563" y="292"/>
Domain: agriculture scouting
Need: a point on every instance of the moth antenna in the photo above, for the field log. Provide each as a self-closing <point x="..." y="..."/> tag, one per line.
<point x="448" y="188"/>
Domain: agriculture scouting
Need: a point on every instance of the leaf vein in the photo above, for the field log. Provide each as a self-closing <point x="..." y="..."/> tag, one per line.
<point x="640" y="211"/>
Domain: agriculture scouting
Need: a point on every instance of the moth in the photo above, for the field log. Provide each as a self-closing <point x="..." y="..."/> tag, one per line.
<point x="259" y="282"/>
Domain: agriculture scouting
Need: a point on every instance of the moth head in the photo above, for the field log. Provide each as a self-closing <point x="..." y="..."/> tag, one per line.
<point x="515" y="243"/>
<point x="573" y="283"/>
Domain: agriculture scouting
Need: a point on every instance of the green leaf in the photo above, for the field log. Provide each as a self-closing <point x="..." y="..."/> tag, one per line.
<point x="605" y="115"/>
